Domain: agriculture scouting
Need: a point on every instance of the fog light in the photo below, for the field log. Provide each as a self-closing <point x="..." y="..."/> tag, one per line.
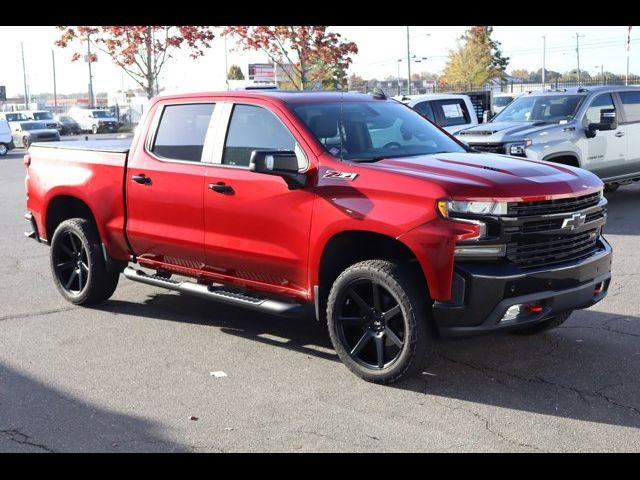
<point x="480" y="250"/>
<point x="512" y="313"/>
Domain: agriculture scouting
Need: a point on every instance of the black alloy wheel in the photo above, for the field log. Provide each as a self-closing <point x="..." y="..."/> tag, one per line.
<point x="71" y="264"/>
<point x="370" y="324"/>
<point x="378" y="320"/>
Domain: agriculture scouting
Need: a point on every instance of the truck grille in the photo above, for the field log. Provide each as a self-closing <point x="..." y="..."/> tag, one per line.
<point x="562" y="205"/>
<point x="489" y="147"/>
<point x="544" y="251"/>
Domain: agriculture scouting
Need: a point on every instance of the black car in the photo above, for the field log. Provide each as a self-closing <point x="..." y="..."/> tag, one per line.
<point x="68" y="125"/>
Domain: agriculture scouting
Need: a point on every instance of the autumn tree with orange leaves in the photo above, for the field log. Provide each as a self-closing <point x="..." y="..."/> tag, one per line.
<point x="141" y="51"/>
<point x="305" y="55"/>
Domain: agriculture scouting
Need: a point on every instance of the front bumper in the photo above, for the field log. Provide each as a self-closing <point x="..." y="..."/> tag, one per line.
<point x="482" y="293"/>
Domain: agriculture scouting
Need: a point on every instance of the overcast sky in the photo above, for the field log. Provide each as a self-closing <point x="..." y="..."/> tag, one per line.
<point x="380" y="48"/>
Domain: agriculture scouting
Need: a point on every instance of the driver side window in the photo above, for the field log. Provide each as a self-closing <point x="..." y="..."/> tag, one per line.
<point x="598" y="103"/>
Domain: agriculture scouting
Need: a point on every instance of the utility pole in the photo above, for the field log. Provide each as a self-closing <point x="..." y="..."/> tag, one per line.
<point x="55" y="90"/>
<point x="626" y="78"/>
<point x="544" y="51"/>
<point x="226" y="67"/>
<point x="24" y="76"/>
<point x="578" y="55"/>
<point x="408" y="62"/>
<point x="90" y="76"/>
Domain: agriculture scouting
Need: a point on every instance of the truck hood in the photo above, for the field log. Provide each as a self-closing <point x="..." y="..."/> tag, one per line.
<point x="488" y="176"/>
<point x="505" y="131"/>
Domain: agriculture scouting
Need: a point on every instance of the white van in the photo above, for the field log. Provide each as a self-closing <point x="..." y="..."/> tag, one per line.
<point x="450" y="111"/>
<point x="14" y="118"/>
<point x="6" y="141"/>
<point x="94" y="120"/>
<point x="43" y="116"/>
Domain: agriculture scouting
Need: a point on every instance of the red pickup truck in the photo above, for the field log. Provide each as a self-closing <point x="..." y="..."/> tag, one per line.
<point x="352" y="207"/>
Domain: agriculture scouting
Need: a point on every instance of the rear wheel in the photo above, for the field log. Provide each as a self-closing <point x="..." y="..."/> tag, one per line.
<point x="26" y="142"/>
<point x="377" y="321"/>
<point x="78" y="267"/>
<point x="94" y="129"/>
<point x="3" y="149"/>
<point x="544" y="325"/>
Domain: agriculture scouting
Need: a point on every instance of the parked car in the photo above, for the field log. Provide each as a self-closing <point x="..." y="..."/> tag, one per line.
<point x="94" y="120"/>
<point x="43" y="116"/>
<point x="6" y="140"/>
<point x="68" y="126"/>
<point x="501" y="100"/>
<point x="349" y="207"/>
<point x="595" y="128"/>
<point x="29" y="132"/>
<point x="452" y="112"/>
<point x="14" y="118"/>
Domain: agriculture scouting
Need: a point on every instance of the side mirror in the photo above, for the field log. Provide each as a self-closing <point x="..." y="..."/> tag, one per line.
<point x="282" y="163"/>
<point x="608" y="121"/>
<point x="486" y="116"/>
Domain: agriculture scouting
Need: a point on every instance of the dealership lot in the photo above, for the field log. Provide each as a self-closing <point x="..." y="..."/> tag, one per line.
<point x="130" y="375"/>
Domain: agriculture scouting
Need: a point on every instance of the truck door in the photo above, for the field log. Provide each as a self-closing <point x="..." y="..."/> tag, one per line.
<point x="165" y="178"/>
<point x="607" y="151"/>
<point x="631" y="126"/>
<point x="256" y="229"/>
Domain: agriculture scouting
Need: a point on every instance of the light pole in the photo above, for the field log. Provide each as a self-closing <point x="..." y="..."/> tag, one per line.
<point x="90" y="76"/>
<point x="414" y="59"/>
<point x="601" y="72"/>
<point x="544" y="51"/>
<point x="24" y="76"/>
<point x="55" y="90"/>
<point x="578" y="54"/>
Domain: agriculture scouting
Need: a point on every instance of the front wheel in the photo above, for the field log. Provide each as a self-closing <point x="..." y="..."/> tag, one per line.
<point x="26" y="142"/>
<point x="377" y="321"/>
<point x="3" y="149"/>
<point x="611" y="187"/>
<point x="94" y="129"/>
<point x="78" y="267"/>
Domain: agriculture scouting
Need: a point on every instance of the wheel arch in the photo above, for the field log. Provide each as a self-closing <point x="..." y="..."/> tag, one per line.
<point x="64" y="207"/>
<point x="564" y="158"/>
<point x="339" y="253"/>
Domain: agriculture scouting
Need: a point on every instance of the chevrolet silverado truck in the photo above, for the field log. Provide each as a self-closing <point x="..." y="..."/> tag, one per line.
<point x="350" y="207"/>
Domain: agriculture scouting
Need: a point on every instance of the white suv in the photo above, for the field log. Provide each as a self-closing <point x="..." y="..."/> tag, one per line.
<point x="450" y="111"/>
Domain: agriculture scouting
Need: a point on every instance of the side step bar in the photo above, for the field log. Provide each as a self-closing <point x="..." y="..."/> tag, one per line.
<point x="217" y="293"/>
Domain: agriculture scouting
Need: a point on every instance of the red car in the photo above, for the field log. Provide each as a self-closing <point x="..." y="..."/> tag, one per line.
<point x="350" y="206"/>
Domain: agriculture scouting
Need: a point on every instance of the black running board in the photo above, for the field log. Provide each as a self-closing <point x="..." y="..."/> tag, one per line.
<point x="217" y="293"/>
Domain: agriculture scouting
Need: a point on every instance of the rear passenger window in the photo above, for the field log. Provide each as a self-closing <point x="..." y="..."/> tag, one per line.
<point x="254" y="128"/>
<point x="454" y="112"/>
<point x="600" y="102"/>
<point x="425" y="109"/>
<point x="631" y="105"/>
<point x="182" y="130"/>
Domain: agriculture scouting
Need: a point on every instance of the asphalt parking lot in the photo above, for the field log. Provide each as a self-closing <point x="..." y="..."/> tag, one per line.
<point x="129" y="375"/>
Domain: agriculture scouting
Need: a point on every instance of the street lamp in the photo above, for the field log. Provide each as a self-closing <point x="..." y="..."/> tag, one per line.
<point x="409" y="57"/>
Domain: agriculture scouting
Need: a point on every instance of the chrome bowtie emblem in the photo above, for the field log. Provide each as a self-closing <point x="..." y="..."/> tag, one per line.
<point x="574" y="221"/>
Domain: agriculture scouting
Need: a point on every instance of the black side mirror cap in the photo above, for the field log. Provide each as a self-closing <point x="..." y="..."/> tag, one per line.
<point x="282" y="163"/>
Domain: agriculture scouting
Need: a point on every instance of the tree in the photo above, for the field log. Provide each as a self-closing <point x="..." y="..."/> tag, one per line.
<point x="521" y="73"/>
<point x="477" y="61"/>
<point x="306" y="54"/>
<point x="141" y="51"/>
<point x="572" y="75"/>
<point x="235" y="73"/>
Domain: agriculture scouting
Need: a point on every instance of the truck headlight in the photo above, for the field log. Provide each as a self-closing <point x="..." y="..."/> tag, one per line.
<point x="471" y="206"/>
<point x="517" y="148"/>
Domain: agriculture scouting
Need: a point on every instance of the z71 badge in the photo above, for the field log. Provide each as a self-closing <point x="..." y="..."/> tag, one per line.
<point x="340" y="175"/>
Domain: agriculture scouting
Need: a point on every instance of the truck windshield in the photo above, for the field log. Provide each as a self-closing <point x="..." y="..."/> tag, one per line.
<point x="101" y="114"/>
<point x="42" y="116"/>
<point x="539" y="108"/>
<point x="369" y="131"/>
<point x="32" y="126"/>
<point x="15" y="117"/>
<point x="502" y="101"/>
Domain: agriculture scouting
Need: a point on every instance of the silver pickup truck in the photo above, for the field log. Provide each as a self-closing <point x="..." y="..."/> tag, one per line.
<point x="595" y="128"/>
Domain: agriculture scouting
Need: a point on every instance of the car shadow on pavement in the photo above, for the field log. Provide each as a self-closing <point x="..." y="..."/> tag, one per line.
<point x="35" y="417"/>
<point x="623" y="204"/>
<point x="587" y="369"/>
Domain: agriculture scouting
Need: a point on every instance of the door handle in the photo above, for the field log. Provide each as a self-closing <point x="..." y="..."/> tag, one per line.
<point x="620" y="134"/>
<point x="142" y="178"/>
<point x="221" y="187"/>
